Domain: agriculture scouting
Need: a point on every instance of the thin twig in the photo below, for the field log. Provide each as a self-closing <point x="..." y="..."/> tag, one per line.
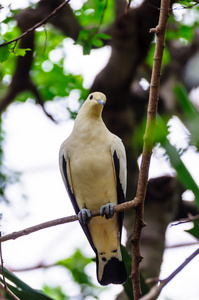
<point x="156" y="290"/>
<point x="42" y="22"/>
<point x="186" y="220"/>
<point x="14" y="235"/>
<point x="148" y="145"/>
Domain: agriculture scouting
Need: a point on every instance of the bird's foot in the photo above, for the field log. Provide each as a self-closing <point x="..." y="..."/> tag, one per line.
<point x="84" y="216"/>
<point x="107" y="210"/>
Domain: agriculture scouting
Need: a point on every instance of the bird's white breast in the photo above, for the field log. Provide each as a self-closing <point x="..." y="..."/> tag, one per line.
<point x="92" y="169"/>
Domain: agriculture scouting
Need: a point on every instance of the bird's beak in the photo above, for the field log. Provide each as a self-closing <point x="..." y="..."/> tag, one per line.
<point x="100" y="101"/>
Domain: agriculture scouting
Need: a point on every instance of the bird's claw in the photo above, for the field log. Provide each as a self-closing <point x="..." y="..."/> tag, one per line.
<point x="107" y="210"/>
<point x="84" y="216"/>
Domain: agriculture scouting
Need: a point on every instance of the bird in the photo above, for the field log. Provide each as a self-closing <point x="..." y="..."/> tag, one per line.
<point x="92" y="162"/>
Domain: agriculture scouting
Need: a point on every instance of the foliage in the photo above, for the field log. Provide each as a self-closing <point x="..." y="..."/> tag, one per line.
<point x="76" y="265"/>
<point x="195" y="230"/>
<point x="55" y="292"/>
<point x="94" y="13"/>
<point x="89" y="38"/>
<point x="49" y="43"/>
<point x="6" y="50"/>
<point x="172" y="152"/>
<point x="174" y="155"/>
<point x="191" y="116"/>
<point x="20" y="288"/>
<point x="100" y="15"/>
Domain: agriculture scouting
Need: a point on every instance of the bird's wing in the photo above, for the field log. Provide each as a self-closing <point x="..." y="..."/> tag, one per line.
<point x="119" y="162"/>
<point x="64" y="163"/>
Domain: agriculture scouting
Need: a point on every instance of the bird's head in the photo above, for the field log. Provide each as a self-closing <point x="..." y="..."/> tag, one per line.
<point x="97" y="97"/>
<point x="94" y="104"/>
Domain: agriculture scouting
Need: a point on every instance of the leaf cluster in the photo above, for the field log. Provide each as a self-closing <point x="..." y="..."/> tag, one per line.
<point x="11" y="32"/>
<point x="91" y="38"/>
<point x="76" y="264"/>
<point x="94" y="13"/>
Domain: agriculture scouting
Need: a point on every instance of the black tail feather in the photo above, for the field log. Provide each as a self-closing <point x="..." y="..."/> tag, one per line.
<point x="114" y="272"/>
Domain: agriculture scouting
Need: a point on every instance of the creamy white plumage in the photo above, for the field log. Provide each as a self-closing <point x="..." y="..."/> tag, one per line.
<point x="93" y="167"/>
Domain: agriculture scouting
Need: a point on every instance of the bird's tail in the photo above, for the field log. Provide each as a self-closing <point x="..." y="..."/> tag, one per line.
<point x="110" y="268"/>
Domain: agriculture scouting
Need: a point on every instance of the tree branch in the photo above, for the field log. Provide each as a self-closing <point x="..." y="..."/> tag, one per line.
<point x="14" y="235"/>
<point x="42" y="22"/>
<point x="148" y="145"/>
<point x="156" y="290"/>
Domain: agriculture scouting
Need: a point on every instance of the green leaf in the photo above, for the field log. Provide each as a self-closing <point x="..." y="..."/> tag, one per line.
<point x="195" y="230"/>
<point x="21" y="289"/>
<point x="103" y="36"/>
<point x="97" y="42"/>
<point x="190" y="112"/>
<point x="55" y="292"/>
<point x="98" y="37"/>
<point x="4" y="52"/>
<point x="83" y="35"/>
<point x="21" y="52"/>
<point x="183" y="174"/>
<point x="89" y="38"/>
<point x="87" y="49"/>
<point x="184" y="101"/>
<point x="92" y="11"/>
<point x="76" y="264"/>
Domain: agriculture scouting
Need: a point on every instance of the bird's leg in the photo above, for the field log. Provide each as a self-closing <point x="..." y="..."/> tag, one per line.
<point x="84" y="216"/>
<point x="107" y="210"/>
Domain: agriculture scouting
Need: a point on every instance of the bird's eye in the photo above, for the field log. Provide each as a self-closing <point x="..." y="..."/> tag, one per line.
<point x="91" y="97"/>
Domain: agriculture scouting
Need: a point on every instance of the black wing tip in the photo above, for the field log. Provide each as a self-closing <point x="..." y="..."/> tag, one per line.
<point x="114" y="272"/>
